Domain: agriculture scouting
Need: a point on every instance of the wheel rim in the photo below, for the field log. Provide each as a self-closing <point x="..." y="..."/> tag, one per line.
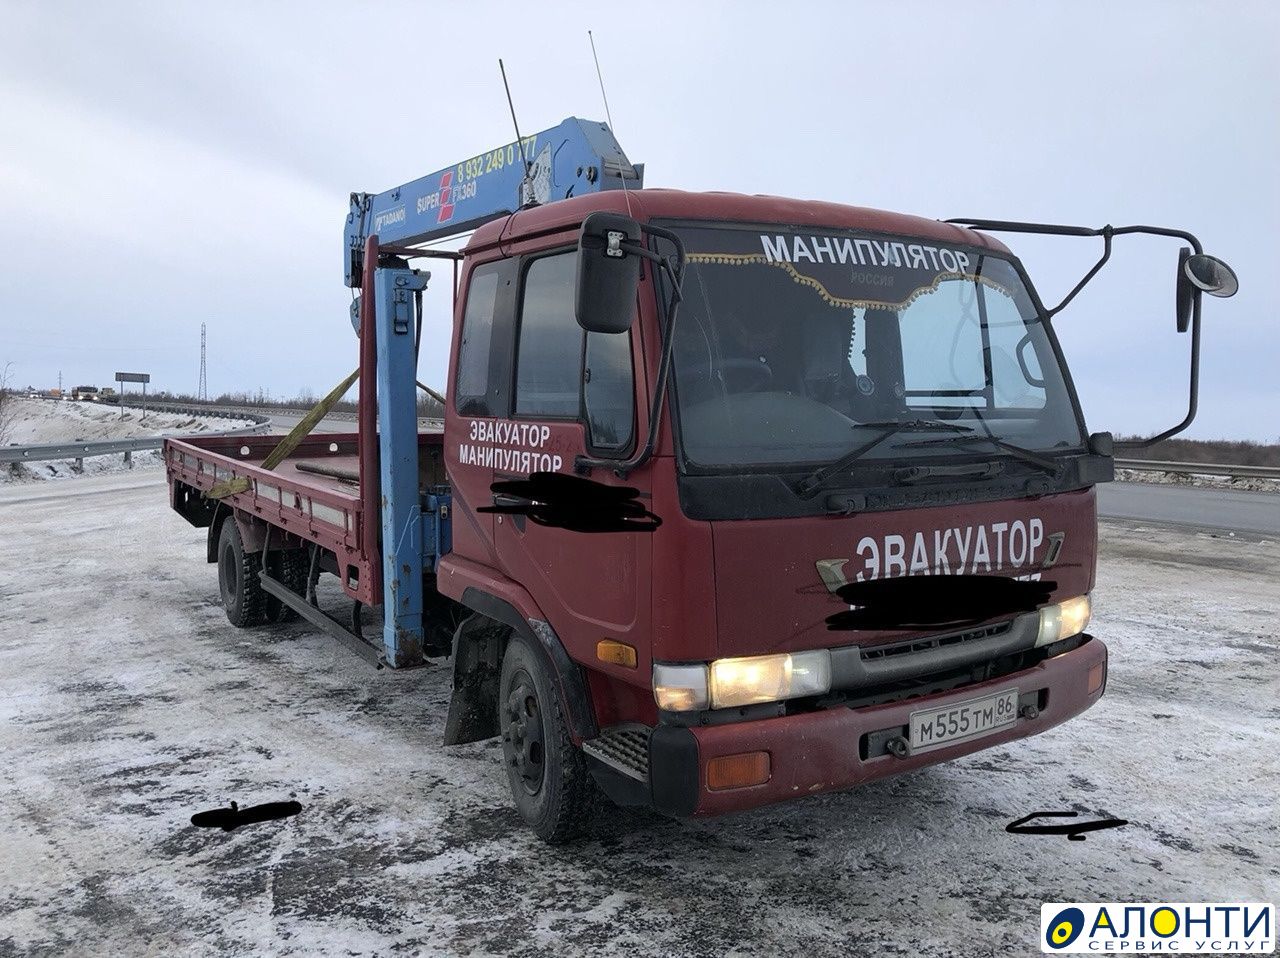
<point x="229" y="574"/>
<point x="523" y="742"/>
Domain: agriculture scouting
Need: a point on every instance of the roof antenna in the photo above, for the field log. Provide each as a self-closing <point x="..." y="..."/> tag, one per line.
<point x="526" y="185"/>
<point x="607" y="115"/>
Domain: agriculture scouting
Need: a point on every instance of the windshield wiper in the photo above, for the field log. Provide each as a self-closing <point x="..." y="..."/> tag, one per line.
<point x="1046" y="463"/>
<point x="817" y="479"/>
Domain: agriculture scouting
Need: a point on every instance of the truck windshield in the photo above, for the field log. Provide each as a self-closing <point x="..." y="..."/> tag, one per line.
<point x="789" y="338"/>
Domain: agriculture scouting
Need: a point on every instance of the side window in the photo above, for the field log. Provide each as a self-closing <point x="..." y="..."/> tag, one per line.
<point x="562" y="372"/>
<point x="608" y="390"/>
<point x="549" y="352"/>
<point x="471" y="392"/>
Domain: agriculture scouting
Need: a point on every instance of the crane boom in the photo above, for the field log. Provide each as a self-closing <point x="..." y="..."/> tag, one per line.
<point x="576" y="157"/>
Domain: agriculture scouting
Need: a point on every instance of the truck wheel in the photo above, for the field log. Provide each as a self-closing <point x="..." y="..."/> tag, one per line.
<point x="242" y="594"/>
<point x="552" y="788"/>
<point x="292" y="568"/>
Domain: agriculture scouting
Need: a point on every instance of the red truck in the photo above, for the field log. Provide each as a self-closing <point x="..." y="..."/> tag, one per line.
<point x="737" y="499"/>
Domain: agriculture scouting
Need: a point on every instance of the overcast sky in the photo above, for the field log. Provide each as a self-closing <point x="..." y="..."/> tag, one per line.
<point x="164" y="164"/>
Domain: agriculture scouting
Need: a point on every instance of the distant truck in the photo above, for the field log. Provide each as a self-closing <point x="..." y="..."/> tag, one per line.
<point x="85" y="393"/>
<point x="738" y="498"/>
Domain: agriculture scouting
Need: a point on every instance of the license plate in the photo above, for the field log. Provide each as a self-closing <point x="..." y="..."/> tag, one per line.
<point x="936" y="727"/>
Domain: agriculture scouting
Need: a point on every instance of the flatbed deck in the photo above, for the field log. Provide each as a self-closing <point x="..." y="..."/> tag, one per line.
<point x="322" y="507"/>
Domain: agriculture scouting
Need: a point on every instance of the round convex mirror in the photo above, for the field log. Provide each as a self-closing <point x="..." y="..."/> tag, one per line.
<point x="1211" y="275"/>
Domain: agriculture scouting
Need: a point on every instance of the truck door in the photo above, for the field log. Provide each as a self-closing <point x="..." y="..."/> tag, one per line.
<point x="574" y="393"/>
<point x="479" y="392"/>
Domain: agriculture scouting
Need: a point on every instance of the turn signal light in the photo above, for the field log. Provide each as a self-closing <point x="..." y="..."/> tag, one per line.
<point x="616" y="653"/>
<point x="1097" y="674"/>
<point x="738" y="771"/>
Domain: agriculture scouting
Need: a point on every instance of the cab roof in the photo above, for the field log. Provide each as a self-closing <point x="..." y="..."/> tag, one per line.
<point x="663" y="204"/>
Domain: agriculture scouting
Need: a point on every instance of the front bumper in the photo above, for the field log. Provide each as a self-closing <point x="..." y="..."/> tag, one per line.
<point x="823" y="751"/>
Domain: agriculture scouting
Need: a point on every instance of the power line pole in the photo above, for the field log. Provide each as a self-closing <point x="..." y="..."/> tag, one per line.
<point x="203" y="391"/>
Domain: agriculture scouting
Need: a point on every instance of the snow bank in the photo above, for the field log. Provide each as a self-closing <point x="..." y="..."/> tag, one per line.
<point x="1238" y="483"/>
<point x="39" y="421"/>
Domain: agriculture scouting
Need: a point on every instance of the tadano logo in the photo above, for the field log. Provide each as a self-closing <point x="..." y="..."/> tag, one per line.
<point x="1177" y="927"/>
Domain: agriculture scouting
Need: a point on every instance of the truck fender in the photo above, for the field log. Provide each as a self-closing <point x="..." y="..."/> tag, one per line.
<point x="569" y="676"/>
<point x="215" y="531"/>
<point x="253" y="531"/>
<point x="257" y="534"/>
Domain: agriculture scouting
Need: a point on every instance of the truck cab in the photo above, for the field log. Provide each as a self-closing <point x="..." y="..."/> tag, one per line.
<point x="734" y="651"/>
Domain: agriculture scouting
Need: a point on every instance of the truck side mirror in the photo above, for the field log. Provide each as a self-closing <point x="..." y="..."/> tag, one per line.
<point x="608" y="273"/>
<point x="1198" y="274"/>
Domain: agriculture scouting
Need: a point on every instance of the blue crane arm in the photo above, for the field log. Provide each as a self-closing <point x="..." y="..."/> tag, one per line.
<point x="576" y="157"/>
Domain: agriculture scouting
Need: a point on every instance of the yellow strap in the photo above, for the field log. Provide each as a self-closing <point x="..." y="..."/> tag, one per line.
<point x="431" y="392"/>
<point x="290" y="442"/>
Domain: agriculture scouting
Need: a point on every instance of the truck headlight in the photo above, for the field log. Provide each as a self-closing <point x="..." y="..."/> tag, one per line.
<point x="769" y="678"/>
<point x="1063" y="620"/>
<point x="730" y="683"/>
<point x="680" y="688"/>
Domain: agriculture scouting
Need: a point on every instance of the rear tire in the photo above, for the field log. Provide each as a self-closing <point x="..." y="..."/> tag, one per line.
<point x="291" y="567"/>
<point x="550" y="783"/>
<point x="242" y="594"/>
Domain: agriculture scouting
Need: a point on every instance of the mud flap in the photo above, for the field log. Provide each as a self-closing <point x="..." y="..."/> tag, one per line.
<point x="478" y="644"/>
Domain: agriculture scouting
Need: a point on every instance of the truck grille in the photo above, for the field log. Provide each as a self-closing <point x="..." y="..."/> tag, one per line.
<point x="933" y="642"/>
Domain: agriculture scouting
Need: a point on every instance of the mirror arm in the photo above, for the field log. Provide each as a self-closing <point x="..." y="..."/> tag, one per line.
<point x="1052" y="229"/>
<point x="1194" y="390"/>
<point x="584" y="464"/>
<point x="1106" y="255"/>
<point x="1004" y="226"/>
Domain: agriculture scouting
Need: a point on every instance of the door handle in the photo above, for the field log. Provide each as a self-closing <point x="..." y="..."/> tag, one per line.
<point x="506" y="500"/>
<point x="503" y="499"/>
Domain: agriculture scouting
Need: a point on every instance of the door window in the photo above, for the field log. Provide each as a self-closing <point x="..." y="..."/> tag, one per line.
<point x="608" y="390"/>
<point x="472" y="389"/>
<point x="564" y="373"/>
<point x="549" y="354"/>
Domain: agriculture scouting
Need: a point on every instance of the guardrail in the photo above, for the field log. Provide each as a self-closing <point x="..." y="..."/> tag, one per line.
<point x="1200" y="468"/>
<point x="83" y="450"/>
<point x="290" y="412"/>
<point x="220" y="409"/>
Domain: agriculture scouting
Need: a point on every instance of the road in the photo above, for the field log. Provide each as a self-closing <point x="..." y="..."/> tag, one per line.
<point x="281" y="423"/>
<point x="1226" y="510"/>
<point x="127" y="704"/>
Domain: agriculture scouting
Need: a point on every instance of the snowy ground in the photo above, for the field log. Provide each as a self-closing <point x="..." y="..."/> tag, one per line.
<point x="127" y="703"/>
<point x="43" y="421"/>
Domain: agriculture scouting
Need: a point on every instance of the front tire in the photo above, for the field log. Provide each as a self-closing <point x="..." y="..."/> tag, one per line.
<point x="550" y="783"/>
<point x="242" y="594"/>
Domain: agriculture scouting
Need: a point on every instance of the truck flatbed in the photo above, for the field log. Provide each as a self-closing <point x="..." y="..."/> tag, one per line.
<point x="313" y="495"/>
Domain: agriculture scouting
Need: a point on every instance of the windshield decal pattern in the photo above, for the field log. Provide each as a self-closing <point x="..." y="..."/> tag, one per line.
<point x="844" y="302"/>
